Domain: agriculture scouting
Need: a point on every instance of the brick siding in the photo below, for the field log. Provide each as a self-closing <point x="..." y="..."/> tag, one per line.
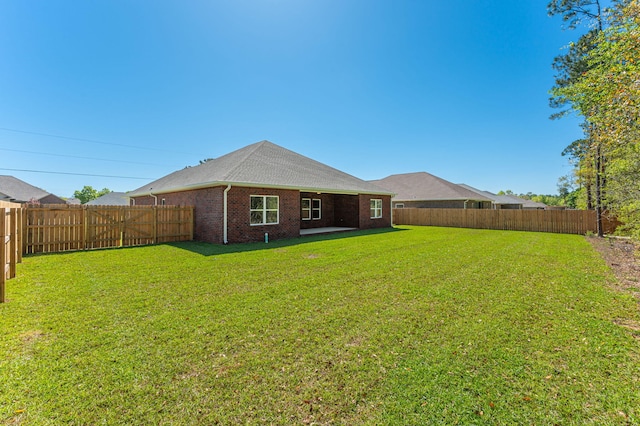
<point x="240" y="229"/>
<point x="366" y="221"/>
<point x="337" y="210"/>
<point x="208" y="209"/>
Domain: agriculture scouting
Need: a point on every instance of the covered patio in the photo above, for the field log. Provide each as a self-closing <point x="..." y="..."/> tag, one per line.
<point x="325" y="230"/>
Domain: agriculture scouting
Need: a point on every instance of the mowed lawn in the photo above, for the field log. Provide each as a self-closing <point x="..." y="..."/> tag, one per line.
<point x="418" y="325"/>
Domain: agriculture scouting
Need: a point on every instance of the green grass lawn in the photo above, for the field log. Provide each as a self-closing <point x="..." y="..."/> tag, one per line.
<point x="419" y="325"/>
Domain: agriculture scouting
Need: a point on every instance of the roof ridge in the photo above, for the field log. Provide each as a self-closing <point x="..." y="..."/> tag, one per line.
<point x="250" y="150"/>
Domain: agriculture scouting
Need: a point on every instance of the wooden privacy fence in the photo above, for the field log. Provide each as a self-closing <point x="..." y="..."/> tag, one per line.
<point x="559" y="221"/>
<point x="56" y="228"/>
<point x="10" y="249"/>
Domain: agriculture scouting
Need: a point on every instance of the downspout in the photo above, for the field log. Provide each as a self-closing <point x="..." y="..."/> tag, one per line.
<point x="224" y="214"/>
<point x="465" y="204"/>
<point x="155" y="197"/>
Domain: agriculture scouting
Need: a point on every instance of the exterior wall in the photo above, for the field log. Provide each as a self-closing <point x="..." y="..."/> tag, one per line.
<point x="337" y="210"/>
<point x="432" y="204"/>
<point x="239" y="206"/>
<point x="366" y="222"/>
<point x="208" y="209"/>
<point x="346" y="211"/>
<point x="327" y="216"/>
<point x="509" y="206"/>
<point x="444" y="204"/>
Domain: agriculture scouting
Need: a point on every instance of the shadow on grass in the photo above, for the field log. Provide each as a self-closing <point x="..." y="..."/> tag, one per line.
<point x="209" y="249"/>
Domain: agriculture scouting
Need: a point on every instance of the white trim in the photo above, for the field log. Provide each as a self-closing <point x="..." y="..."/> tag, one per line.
<point x="319" y="209"/>
<point x="302" y="209"/>
<point x="374" y="210"/>
<point x="264" y="210"/>
<point x="259" y="185"/>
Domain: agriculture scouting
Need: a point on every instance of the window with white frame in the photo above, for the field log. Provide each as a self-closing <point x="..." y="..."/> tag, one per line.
<point x="316" y="209"/>
<point x="376" y="208"/>
<point x="264" y="210"/>
<point x="399" y="205"/>
<point x="305" y="204"/>
<point x="311" y="208"/>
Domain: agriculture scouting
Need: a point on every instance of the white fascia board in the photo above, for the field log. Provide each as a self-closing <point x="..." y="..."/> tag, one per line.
<point x="257" y="185"/>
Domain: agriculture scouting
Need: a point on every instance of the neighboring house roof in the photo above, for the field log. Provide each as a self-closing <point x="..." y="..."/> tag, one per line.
<point x="508" y="199"/>
<point x="424" y="186"/>
<point x="497" y="199"/>
<point x="262" y="164"/>
<point x="15" y="190"/>
<point x="73" y="201"/>
<point x="528" y="204"/>
<point x="111" y="199"/>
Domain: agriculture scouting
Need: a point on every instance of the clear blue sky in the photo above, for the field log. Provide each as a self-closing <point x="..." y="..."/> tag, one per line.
<point x="370" y="87"/>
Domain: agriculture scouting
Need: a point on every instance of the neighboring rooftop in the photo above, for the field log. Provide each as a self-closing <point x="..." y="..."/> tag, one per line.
<point x="17" y="191"/>
<point x="262" y="164"/>
<point x="507" y="199"/>
<point x="110" y="199"/>
<point x="425" y="186"/>
<point x="497" y="199"/>
<point x="529" y="204"/>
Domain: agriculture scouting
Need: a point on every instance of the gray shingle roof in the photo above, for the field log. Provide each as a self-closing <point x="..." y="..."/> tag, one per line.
<point x="508" y="199"/>
<point x="529" y="204"/>
<point x="497" y="199"/>
<point x="424" y="186"/>
<point x="15" y="190"/>
<point x="262" y="164"/>
<point x="111" y="199"/>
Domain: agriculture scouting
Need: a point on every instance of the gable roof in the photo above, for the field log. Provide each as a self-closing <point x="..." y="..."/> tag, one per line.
<point x="262" y="164"/>
<point x="424" y="186"/>
<point x="15" y="190"/>
<point x="110" y="199"/>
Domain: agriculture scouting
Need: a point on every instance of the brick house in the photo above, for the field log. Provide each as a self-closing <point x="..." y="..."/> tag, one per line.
<point x="424" y="190"/>
<point x="15" y="190"/>
<point x="507" y="202"/>
<point x="266" y="189"/>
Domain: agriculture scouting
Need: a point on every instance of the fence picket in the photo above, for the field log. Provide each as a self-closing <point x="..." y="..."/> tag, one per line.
<point x="557" y="221"/>
<point x="54" y="228"/>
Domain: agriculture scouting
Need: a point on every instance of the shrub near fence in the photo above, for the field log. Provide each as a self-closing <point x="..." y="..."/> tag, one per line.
<point x="56" y="228"/>
<point x="558" y="221"/>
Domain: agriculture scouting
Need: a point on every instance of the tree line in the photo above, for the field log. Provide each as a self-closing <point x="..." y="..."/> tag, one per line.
<point x="599" y="79"/>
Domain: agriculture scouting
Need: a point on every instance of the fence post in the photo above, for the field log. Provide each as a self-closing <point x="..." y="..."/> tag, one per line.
<point x="85" y="227"/>
<point x="25" y="229"/>
<point x="155" y="224"/>
<point x="3" y="254"/>
<point x="191" y="210"/>
<point x="13" y="248"/>
<point x="19" y="233"/>
<point x="121" y="221"/>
